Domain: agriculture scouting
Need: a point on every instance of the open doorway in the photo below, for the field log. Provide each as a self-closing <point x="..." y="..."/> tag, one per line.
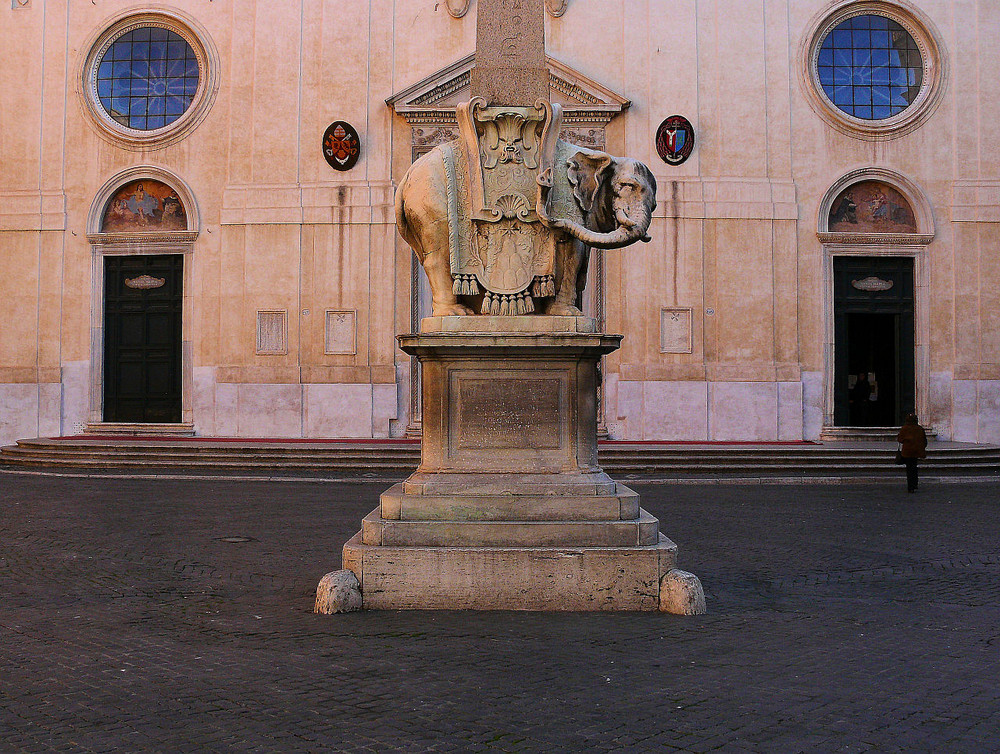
<point x="874" y="341"/>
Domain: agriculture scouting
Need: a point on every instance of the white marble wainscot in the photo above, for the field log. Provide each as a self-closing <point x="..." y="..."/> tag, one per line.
<point x="29" y="409"/>
<point x="976" y="411"/>
<point x="939" y="405"/>
<point x="790" y="411"/>
<point x="743" y="411"/>
<point x="813" y="395"/>
<point x="76" y="397"/>
<point x="18" y="411"/>
<point x="204" y="401"/>
<point x="50" y="409"/>
<point x="291" y="410"/>
<point x="663" y="410"/>
<point x="349" y="410"/>
<point x="269" y="410"/>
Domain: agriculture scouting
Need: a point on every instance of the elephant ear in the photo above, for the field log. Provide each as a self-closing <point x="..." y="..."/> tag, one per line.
<point x="586" y="172"/>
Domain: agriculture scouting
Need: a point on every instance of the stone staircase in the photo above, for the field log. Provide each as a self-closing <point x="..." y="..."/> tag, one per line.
<point x="395" y="459"/>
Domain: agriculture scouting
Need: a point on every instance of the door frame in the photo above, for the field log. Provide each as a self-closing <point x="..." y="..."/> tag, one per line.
<point x="914" y="245"/>
<point x="921" y="320"/>
<point x="140" y="244"/>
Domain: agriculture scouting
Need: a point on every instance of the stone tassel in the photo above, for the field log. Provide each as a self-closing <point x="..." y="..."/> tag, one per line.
<point x="465" y="285"/>
<point x="544" y="286"/>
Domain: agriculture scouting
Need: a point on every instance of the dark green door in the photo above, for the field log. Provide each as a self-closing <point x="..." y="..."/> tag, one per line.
<point x="874" y="380"/>
<point x="142" y="338"/>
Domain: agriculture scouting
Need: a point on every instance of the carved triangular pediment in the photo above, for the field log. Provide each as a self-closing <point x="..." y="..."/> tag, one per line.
<point x="433" y="99"/>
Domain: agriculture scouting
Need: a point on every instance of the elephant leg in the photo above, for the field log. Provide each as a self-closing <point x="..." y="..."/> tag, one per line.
<point x="570" y="257"/>
<point x="437" y="265"/>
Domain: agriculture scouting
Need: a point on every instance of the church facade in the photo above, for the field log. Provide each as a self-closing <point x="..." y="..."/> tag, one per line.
<point x="197" y="231"/>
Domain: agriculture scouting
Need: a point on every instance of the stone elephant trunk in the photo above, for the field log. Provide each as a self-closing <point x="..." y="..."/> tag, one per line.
<point x="616" y="195"/>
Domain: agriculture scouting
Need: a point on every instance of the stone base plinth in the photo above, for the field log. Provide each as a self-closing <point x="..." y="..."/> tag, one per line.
<point x="510" y="578"/>
<point x="508" y="509"/>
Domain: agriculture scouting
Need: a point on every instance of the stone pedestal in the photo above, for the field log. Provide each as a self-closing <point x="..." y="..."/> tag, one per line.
<point x="509" y="508"/>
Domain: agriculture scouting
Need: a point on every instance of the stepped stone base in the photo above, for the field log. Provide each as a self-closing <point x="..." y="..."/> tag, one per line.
<point x="510" y="578"/>
<point x="509" y="509"/>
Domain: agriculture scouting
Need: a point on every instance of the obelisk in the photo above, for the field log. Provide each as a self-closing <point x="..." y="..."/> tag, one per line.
<point x="509" y="508"/>
<point x="510" y="53"/>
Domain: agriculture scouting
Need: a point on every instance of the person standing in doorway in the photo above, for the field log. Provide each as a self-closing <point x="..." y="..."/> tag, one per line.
<point x="912" y="447"/>
<point x="858" y="397"/>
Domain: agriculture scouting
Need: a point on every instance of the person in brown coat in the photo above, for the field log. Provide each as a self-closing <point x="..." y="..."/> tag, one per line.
<point x="912" y="447"/>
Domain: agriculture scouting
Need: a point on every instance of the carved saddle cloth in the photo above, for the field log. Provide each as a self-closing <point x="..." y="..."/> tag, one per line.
<point x="498" y="245"/>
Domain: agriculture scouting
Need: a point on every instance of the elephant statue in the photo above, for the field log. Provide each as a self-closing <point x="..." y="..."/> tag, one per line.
<point x="504" y="217"/>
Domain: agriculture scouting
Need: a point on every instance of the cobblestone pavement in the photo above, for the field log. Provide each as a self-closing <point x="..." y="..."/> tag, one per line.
<point x="843" y="619"/>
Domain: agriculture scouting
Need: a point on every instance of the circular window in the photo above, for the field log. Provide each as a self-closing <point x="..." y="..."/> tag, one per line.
<point x="870" y="67"/>
<point x="149" y="80"/>
<point x="875" y="69"/>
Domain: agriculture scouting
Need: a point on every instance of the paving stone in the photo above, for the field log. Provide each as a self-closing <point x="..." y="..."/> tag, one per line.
<point x="843" y="618"/>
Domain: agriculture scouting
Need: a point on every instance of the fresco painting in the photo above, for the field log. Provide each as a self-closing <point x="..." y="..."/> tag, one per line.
<point x="871" y="207"/>
<point x="144" y="206"/>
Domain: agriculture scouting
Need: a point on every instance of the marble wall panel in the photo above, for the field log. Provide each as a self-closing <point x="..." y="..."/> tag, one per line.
<point x="49" y="409"/>
<point x="989" y="411"/>
<point x="790" y="411"/>
<point x="204" y="400"/>
<point x="270" y="410"/>
<point x="18" y="412"/>
<point x="384" y="408"/>
<point x="227" y="409"/>
<point x="743" y="411"/>
<point x="813" y="403"/>
<point x="964" y="411"/>
<point x="940" y="405"/>
<point x="674" y="411"/>
<point x="349" y="410"/>
<point x="76" y="397"/>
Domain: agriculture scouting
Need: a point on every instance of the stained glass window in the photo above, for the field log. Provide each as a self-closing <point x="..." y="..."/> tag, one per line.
<point x="147" y="78"/>
<point x="870" y="67"/>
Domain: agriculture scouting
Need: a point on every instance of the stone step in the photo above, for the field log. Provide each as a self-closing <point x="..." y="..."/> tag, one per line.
<point x="397" y="505"/>
<point x="397" y="460"/>
<point x="593" y="483"/>
<point x="376" y="530"/>
<point x="510" y="578"/>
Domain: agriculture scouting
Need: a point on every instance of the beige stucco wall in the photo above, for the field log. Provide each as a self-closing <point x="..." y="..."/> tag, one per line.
<point x="734" y="236"/>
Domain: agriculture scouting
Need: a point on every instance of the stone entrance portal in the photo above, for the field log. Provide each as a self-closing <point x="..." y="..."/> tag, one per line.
<point x="874" y="337"/>
<point x="142" y="338"/>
